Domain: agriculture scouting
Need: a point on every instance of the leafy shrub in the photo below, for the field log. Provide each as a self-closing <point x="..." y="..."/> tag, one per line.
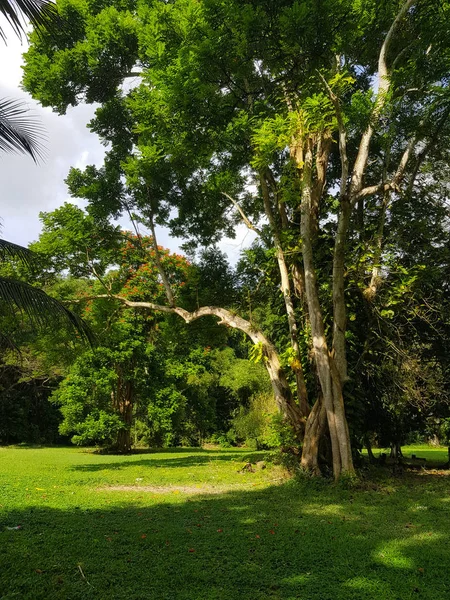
<point x="261" y="425"/>
<point x="98" y="428"/>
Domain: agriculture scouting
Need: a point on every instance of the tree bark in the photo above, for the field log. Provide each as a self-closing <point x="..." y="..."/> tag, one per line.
<point x="315" y="428"/>
<point x="339" y="310"/>
<point x="327" y="372"/>
<point x="123" y="402"/>
<point x="290" y="311"/>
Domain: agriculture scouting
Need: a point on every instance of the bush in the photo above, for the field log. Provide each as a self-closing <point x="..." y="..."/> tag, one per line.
<point x="99" y="428"/>
<point x="261" y="425"/>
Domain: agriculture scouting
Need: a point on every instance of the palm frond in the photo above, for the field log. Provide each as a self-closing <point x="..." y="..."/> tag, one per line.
<point x="19" y="132"/>
<point x="9" y="250"/>
<point x="18" y="12"/>
<point x="42" y="310"/>
<point x="7" y="343"/>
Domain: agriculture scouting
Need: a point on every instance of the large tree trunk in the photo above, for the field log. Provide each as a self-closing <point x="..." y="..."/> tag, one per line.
<point x="315" y="428"/>
<point x="327" y="371"/>
<point x="123" y="444"/>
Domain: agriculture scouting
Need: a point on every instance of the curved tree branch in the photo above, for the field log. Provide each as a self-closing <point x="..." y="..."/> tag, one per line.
<point x="280" y="386"/>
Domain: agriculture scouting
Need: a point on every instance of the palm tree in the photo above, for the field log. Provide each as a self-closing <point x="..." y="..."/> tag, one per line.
<point x="40" y="309"/>
<point x="19" y="133"/>
<point x="17" y="12"/>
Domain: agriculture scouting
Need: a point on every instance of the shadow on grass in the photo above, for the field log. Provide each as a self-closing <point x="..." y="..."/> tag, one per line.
<point x="302" y="541"/>
<point x="165" y="462"/>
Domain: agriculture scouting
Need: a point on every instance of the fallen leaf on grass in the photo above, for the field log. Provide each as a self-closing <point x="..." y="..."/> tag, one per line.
<point x="191" y="550"/>
<point x="272" y="531"/>
<point x="143" y="536"/>
<point x="38" y="571"/>
<point x="220" y="531"/>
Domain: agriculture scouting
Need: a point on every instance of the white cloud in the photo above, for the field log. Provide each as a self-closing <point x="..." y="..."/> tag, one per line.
<point x="28" y="188"/>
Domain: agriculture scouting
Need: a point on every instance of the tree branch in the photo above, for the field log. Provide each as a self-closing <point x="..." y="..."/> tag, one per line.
<point x="280" y="386"/>
<point x="246" y="220"/>
<point x="393" y="184"/>
<point x="286" y="291"/>
<point x="383" y="89"/>
<point x="342" y="136"/>
<point x="159" y="266"/>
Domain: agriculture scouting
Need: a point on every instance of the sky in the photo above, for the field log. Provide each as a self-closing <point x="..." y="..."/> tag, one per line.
<point x="28" y="188"/>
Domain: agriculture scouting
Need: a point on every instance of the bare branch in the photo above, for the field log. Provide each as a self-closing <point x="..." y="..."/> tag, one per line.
<point x="371" y="190"/>
<point x="94" y="272"/>
<point x="383" y="89"/>
<point x="159" y="266"/>
<point x="286" y="291"/>
<point x="342" y="136"/>
<point x="393" y="184"/>
<point x="280" y="386"/>
<point x="280" y="205"/>
<point x="246" y="220"/>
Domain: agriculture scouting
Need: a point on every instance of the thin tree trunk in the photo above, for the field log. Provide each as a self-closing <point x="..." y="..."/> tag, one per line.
<point x="370" y="453"/>
<point x="290" y="311"/>
<point x="375" y="280"/>
<point x="339" y="311"/>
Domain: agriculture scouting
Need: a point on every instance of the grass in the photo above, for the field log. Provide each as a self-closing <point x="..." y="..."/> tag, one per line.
<point x="430" y="453"/>
<point x="215" y="534"/>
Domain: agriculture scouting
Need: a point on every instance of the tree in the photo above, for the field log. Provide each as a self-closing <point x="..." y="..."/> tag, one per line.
<point x="331" y="123"/>
<point x="148" y="373"/>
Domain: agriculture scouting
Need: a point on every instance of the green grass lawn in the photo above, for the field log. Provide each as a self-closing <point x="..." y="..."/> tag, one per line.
<point x="430" y="453"/>
<point x="185" y="525"/>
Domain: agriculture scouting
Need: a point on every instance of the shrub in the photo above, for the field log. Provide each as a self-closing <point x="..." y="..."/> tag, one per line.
<point x="261" y="425"/>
